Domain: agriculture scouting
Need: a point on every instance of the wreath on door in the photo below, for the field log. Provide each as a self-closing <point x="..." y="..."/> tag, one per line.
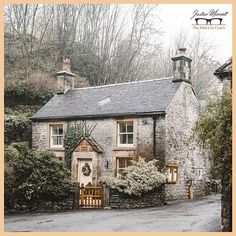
<point x="86" y="170"/>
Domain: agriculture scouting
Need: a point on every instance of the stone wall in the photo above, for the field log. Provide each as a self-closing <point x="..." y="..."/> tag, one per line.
<point x="41" y="207"/>
<point x="226" y="210"/>
<point x="104" y="134"/>
<point x="40" y="136"/>
<point x="150" y="199"/>
<point x="181" y="148"/>
<point x="160" y="137"/>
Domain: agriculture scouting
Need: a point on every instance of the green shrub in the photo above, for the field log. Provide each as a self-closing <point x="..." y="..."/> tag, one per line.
<point x="17" y="130"/>
<point x="141" y="177"/>
<point x="10" y="152"/>
<point x="23" y="92"/>
<point x="9" y="183"/>
<point x="38" y="176"/>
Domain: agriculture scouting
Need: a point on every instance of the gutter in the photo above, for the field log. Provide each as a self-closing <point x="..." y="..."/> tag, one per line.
<point x="98" y="116"/>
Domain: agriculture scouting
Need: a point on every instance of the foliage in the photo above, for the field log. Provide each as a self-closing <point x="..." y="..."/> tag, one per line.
<point x="214" y="129"/>
<point x="35" y="176"/>
<point x="26" y="93"/>
<point x="139" y="178"/>
<point x="74" y="133"/>
<point x="9" y="182"/>
<point x="104" y="49"/>
<point x="21" y="110"/>
<point x="86" y="63"/>
<point x="10" y="152"/>
<point x="17" y="129"/>
<point x="16" y="169"/>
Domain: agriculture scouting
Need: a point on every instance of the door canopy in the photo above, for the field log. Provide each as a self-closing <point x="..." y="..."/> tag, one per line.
<point x="87" y="144"/>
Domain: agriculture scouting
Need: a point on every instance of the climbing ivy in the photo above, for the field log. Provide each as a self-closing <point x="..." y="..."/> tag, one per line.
<point x="214" y="129"/>
<point x="74" y="133"/>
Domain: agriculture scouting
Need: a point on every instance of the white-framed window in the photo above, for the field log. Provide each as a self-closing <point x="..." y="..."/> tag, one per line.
<point x="56" y="135"/>
<point x="121" y="163"/>
<point x="125" y="133"/>
<point x="171" y="174"/>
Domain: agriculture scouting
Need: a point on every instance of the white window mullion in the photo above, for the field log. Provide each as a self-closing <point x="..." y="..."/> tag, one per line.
<point x="124" y="137"/>
<point x="56" y="135"/>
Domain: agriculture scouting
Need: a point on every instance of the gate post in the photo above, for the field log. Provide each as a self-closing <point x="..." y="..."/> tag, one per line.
<point x="82" y="188"/>
<point x="76" y="195"/>
<point x="106" y="196"/>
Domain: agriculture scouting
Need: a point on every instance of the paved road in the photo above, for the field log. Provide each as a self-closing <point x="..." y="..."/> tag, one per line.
<point x="188" y="215"/>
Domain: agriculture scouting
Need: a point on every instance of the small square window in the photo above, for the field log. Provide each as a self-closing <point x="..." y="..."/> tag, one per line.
<point x="171" y="174"/>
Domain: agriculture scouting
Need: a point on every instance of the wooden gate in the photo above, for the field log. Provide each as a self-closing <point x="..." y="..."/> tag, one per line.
<point x="91" y="197"/>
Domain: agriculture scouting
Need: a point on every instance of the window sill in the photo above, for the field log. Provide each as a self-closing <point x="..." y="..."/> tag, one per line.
<point x="127" y="148"/>
<point x="171" y="182"/>
<point x="57" y="149"/>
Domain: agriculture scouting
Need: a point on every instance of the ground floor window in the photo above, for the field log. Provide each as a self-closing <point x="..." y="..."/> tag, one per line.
<point x="171" y="173"/>
<point x="121" y="163"/>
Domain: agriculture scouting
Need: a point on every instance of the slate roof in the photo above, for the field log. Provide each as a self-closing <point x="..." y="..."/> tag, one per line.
<point x="225" y="70"/>
<point x="133" y="98"/>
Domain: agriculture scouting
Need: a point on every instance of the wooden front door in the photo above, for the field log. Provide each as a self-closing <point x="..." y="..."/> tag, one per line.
<point x="85" y="171"/>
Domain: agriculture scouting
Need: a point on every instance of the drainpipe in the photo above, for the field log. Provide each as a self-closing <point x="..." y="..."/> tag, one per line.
<point x="154" y="135"/>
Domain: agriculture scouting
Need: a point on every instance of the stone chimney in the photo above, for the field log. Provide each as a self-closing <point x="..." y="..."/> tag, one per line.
<point x="65" y="78"/>
<point x="181" y="66"/>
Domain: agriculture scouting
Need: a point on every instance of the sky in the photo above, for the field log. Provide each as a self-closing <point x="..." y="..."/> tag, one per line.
<point x="178" y="16"/>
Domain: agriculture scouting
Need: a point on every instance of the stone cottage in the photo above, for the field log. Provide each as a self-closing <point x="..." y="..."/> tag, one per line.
<point x="156" y="114"/>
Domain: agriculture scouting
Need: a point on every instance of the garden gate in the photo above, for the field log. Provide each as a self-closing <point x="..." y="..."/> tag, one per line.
<point x="91" y="197"/>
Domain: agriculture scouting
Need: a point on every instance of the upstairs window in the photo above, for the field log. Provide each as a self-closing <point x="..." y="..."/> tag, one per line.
<point x="125" y="133"/>
<point x="56" y="135"/>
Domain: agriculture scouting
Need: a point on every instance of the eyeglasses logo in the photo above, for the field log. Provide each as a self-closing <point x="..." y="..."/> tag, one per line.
<point x="205" y="21"/>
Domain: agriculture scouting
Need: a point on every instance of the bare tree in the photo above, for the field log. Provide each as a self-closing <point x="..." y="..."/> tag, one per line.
<point x="200" y="51"/>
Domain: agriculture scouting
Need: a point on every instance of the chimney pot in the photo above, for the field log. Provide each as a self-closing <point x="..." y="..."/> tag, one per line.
<point x="182" y="51"/>
<point x="66" y="64"/>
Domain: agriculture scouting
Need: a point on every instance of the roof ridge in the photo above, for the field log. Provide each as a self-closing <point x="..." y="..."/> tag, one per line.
<point x="125" y="83"/>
